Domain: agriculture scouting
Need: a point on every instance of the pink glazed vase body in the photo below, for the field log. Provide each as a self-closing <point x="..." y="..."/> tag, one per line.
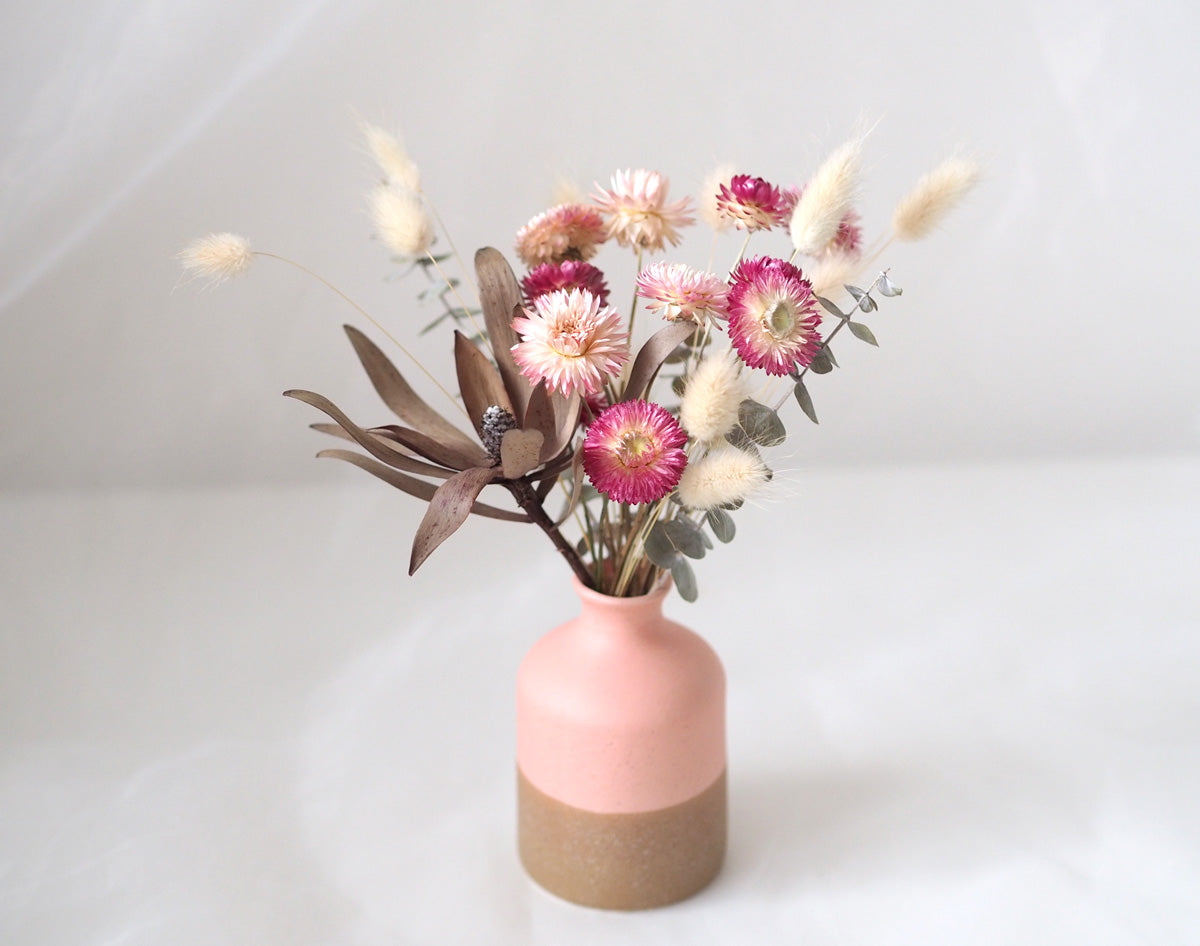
<point x="621" y="756"/>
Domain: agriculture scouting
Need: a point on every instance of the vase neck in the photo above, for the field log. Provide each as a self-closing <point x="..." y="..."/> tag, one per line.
<point x="611" y="613"/>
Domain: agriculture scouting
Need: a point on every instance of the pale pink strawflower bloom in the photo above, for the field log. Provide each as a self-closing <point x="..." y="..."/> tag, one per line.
<point x="567" y="231"/>
<point x="773" y="317"/>
<point x="752" y="203"/>
<point x="677" y="292"/>
<point x="633" y="452"/>
<point x="638" y="212"/>
<point x="569" y="274"/>
<point x="570" y="341"/>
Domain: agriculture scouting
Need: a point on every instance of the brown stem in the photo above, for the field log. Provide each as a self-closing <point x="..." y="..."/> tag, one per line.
<point x="526" y="498"/>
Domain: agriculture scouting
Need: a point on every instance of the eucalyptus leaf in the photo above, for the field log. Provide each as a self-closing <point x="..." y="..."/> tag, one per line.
<point x="804" y="399"/>
<point x="659" y="548"/>
<point x="721" y="524"/>
<point x="761" y="424"/>
<point x="822" y="362"/>
<point x="685" y="579"/>
<point x="860" y="331"/>
<point x="686" y="537"/>
<point x="855" y="291"/>
<point x="867" y="304"/>
<point x="678" y="385"/>
<point x="889" y="288"/>
<point x="830" y="307"/>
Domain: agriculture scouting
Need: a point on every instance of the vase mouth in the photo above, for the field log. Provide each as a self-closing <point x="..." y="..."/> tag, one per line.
<point x="656" y="594"/>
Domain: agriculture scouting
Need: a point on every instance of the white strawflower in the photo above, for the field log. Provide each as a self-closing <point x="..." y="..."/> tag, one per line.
<point x="832" y="272"/>
<point x="392" y="157"/>
<point x="721" y="477"/>
<point x="935" y="195"/>
<point x="401" y="221"/>
<point x="217" y="256"/>
<point x="826" y="200"/>
<point x="709" y="190"/>
<point x="708" y="409"/>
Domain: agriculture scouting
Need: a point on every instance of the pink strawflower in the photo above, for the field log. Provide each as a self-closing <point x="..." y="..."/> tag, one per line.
<point x="773" y="317"/>
<point x="678" y="292"/>
<point x="638" y="212"/>
<point x="633" y="452"/>
<point x="570" y="341"/>
<point x="752" y="203"/>
<point x="569" y="274"/>
<point x="568" y="231"/>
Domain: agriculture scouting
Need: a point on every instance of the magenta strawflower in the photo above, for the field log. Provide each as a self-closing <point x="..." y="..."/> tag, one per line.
<point x="570" y="341"/>
<point x="678" y="292"/>
<point x="752" y="203"/>
<point x="633" y="452"/>
<point x="569" y="274"/>
<point x="638" y="212"/>
<point x="568" y="231"/>
<point x="773" y="316"/>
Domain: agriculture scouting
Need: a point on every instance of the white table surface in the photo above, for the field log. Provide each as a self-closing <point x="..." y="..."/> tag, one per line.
<point x="963" y="708"/>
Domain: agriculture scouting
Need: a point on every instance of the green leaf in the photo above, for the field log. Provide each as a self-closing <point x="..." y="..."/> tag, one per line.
<point x="804" y="399"/>
<point x="685" y="580"/>
<point x="686" y="537"/>
<point x="867" y="304"/>
<point x="889" y="288"/>
<point x="659" y="548"/>
<point x="856" y="292"/>
<point x="721" y="524"/>
<point x="860" y="331"/>
<point x="677" y="385"/>
<point x="830" y="307"/>
<point x="761" y="424"/>
<point x="822" y="362"/>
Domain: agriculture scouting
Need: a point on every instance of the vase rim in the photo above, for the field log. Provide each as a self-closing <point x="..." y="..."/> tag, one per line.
<point x="658" y="593"/>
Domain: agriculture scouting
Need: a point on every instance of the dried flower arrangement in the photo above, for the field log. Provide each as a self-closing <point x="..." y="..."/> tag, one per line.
<point x="559" y="399"/>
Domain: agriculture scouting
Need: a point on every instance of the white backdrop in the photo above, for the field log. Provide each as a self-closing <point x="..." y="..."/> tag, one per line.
<point x="962" y="698"/>
<point x="1050" y="316"/>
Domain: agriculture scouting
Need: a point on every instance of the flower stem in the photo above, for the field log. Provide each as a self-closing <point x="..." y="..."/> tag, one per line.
<point x="524" y="494"/>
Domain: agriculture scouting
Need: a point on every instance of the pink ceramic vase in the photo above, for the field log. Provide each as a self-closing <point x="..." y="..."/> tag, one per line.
<point x="621" y="756"/>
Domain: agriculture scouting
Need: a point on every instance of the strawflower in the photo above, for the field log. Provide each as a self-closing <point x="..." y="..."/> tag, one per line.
<point x="570" y="341"/>
<point x="633" y="452"/>
<point x="773" y="317"/>
<point x="566" y="231"/>
<point x="752" y="203"/>
<point x="638" y="212"/>
<point x="677" y="292"/>
<point x="569" y="274"/>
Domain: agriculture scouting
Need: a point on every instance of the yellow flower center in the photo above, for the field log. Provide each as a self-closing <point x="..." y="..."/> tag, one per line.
<point x="779" y="320"/>
<point x="635" y="448"/>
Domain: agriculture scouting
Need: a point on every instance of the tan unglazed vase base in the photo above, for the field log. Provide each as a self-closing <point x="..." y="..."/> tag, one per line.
<point x="624" y="860"/>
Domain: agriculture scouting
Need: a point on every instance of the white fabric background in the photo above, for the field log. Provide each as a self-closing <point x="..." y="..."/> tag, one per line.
<point x="961" y="637"/>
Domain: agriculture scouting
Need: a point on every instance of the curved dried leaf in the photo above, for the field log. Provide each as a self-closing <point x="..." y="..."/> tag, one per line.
<point x="420" y="445"/>
<point x="499" y="294"/>
<point x="378" y="448"/>
<point x="577" y="487"/>
<point x="395" y="392"/>
<point x="651" y="357"/>
<point x="519" y="452"/>
<point x="478" y="381"/>
<point x="448" y="509"/>
<point x="414" y="487"/>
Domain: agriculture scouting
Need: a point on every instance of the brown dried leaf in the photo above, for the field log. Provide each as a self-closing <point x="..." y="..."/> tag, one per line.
<point x="520" y="451"/>
<point x="652" y="355"/>
<point x="414" y="487"/>
<point x="374" y="445"/>
<point x="478" y="381"/>
<point x="448" y="509"/>
<point x="419" y="444"/>
<point x="499" y="294"/>
<point x="402" y="399"/>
